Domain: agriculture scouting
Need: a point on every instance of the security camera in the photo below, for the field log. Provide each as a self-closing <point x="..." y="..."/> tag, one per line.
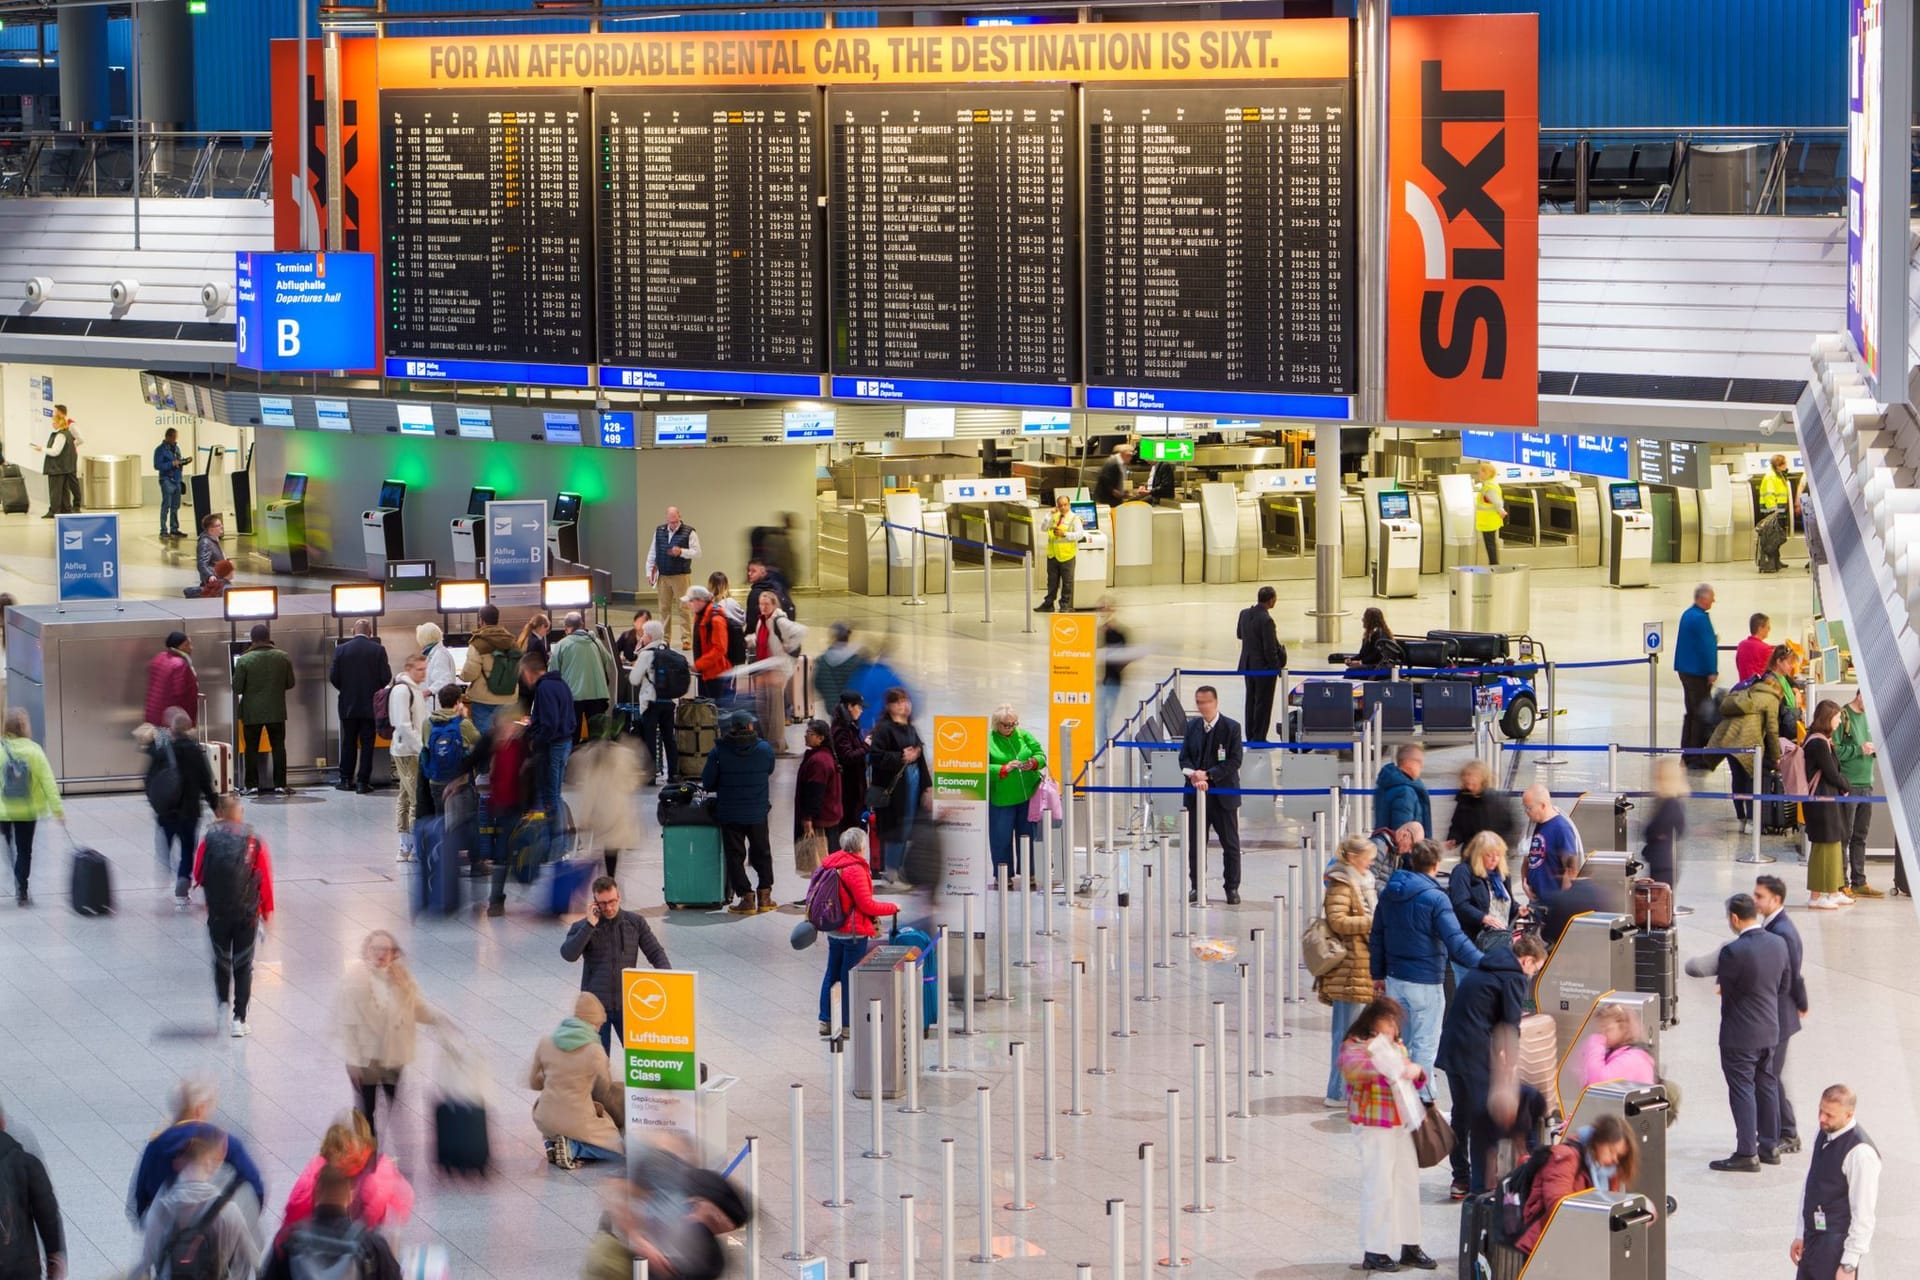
<point x="213" y="295"/>
<point x="39" y="289"/>
<point x="1768" y="425"/>
<point x="123" y="292"/>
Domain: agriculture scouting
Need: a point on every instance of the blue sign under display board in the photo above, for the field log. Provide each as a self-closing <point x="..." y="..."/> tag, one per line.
<point x="1609" y="457"/>
<point x="517" y="549"/>
<point x="616" y="429"/>
<point x="298" y="312"/>
<point x="809" y="424"/>
<point x="1250" y="403"/>
<point x="711" y="381"/>
<point x="560" y="427"/>
<point x="88" y="557"/>
<point x="502" y="371"/>
<point x="935" y="391"/>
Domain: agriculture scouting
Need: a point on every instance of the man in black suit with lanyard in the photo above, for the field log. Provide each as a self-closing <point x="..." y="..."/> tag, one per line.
<point x="1210" y="761"/>
<point x="1756" y="977"/>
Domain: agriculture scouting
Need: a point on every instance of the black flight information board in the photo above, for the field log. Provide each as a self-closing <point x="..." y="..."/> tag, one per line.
<point x="486" y="222"/>
<point x="953" y="246"/>
<point x="710" y="248"/>
<point x="1220" y="238"/>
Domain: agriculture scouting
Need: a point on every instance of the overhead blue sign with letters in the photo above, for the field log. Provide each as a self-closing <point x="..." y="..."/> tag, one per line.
<point x="517" y="544"/>
<point x="87" y="556"/>
<point x="304" y="311"/>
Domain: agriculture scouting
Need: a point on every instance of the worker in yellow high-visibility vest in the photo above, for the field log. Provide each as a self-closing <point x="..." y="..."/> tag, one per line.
<point x="1064" y="533"/>
<point x="1490" y="511"/>
<point x="1776" y="491"/>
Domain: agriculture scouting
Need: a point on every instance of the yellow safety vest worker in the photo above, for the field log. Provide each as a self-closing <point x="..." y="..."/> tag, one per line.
<point x="1489" y="510"/>
<point x="1063" y="536"/>
<point x="1774" y="492"/>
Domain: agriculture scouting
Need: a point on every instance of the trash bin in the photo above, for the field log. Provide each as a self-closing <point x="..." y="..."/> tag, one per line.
<point x="883" y="975"/>
<point x="1490" y="598"/>
<point x="110" y="481"/>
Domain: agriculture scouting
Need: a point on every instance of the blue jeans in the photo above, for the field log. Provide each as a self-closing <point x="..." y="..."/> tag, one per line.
<point x="896" y="846"/>
<point x="170" y="491"/>
<point x="552" y="784"/>
<point x="587" y="1151"/>
<point x="1426" y="1005"/>
<point x="1344" y="1012"/>
<point x="482" y="714"/>
<point x="1005" y="824"/>
<point x="843" y="954"/>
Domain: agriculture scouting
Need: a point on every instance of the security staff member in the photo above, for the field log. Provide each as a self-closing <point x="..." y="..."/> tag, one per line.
<point x="670" y="558"/>
<point x="1490" y="511"/>
<point x="1843" y="1191"/>
<point x="1210" y="761"/>
<point x="1064" y="533"/>
<point x="1776" y="493"/>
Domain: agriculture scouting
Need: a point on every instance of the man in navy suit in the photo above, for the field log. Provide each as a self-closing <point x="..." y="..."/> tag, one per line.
<point x="1210" y="762"/>
<point x="1755" y="974"/>
<point x="1770" y="895"/>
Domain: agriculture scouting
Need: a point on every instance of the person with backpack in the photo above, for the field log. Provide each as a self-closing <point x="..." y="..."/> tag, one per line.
<point x="447" y="748"/>
<point x="194" y="1100"/>
<point x="772" y="646"/>
<point x="582" y="663"/>
<point x="712" y="645"/>
<point x="332" y="1245"/>
<point x="360" y="670"/>
<point x="235" y="874"/>
<point x="763" y="580"/>
<point x="739" y="774"/>
<point x="171" y="681"/>
<point x="27" y="794"/>
<point x="1352" y="897"/>
<point x="261" y="677"/>
<point x="660" y="677"/>
<point x="1604" y="1154"/>
<point x="206" y="1225"/>
<point x="840" y="904"/>
<point x="381" y="1197"/>
<point x="401" y="714"/>
<point x="31" y="1212"/>
<point x="608" y="941"/>
<point x="1826" y="820"/>
<point x="178" y="781"/>
<point x="1751" y="716"/>
<point x="491" y="672"/>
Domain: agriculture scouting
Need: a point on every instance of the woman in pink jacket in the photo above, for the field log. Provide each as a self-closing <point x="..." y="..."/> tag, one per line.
<point x="381" y="1197"/>
<point x="1614" y="1051"/>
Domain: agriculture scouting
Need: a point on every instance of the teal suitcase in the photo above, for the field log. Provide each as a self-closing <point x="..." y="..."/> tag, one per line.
<point x="696" y="870"/>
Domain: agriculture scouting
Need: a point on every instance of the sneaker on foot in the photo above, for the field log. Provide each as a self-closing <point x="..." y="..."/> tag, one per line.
<point x="1821" y="902"/>
<point x="826" y="1031"/>
<point x="1334" y="1104"/>
<point x="239" y="1029"/>
<point x="495" y="910"/>
<point x="1458" y="1191"/>
<point x="1840" y="900"/>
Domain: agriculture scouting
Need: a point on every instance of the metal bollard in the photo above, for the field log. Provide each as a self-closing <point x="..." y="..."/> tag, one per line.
<point x="906" y="1238"/>
<point x="857" y="1269"/>
<point x="839" y="1061"/>
<point x="1169" y="879"/>
<point x="966" y="955"/>
<point x="1147" y="966"/>
<point x="797" y="1174"/>
<point x="1146" y="1211"/>
<point x="983" y="1117"/>
<point x="1019" y="1203"/>
<point x="1220" y="1154"/>
<point x="1613" y="766"/>
<point x="1246" y="1068"/>
<point x="1198" y="1054"/>
<point x="1047" y="850"/>
<point x="1292" y="935"/>
<point x="943" y="1005"/>
<point x="1126" y="975"/>
<point x="1083" y="1271"/>
<point x="1197" y="856"/>
<point x="876" y="1082"/>
<point x="753" y="1197"/>
<point x="640" y="1265"/>
<point x="986" y="583"/>
<point x="946" y="1208"/>
<point x="1173" y="1258"/>
<point x="1026" y="915"/>
<point x="1100" y="1066"/>
<point x="1000" y="945"/>
<point x="1117" y="1238"/>
<point x="1076" y="979"/>
<point x="911" y="1034"/>
<point x="1279" y="1031"/>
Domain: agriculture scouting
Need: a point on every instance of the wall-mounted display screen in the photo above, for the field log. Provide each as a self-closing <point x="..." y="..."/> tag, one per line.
<point x="929" y="424"/>
<point x="276" y="411"/>
<point x="560" y="427"/>
<point x="415" y="419"/>
<point x="679" y="428"/>
<point x="474" y="424"/>
<point x="809" y="424"/>
<point x="333" y="415"/>
<point x="359" y="600"/>
<point x="251" y="604"/>
<point x="616" y="429"/>
<point x="1044" y="423"/>
<point x="1396" y="504"/>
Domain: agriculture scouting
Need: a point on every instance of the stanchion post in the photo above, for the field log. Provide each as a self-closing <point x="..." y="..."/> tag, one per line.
<point x="1026" y="578"/>
<point x="942" y="1003"/>
<point x="1076" y="981"/>
<point x="797" y="1173"/>
<point x="1065" y="778"/>
<point x="1002" y="945"/>
<point x="907" y="1250"/>
<point x="1198" y="1054"/>
<point x="986" y="582"/>
<point x="967" y="975"/>
<point x="1613" y="766"/>
<point x="1026" y="914"/>
<point x="911" y="1033"/>
<point x="1653" y="700"/>
<point x="1220" y="1153"/>
<point x="1018" y="1051"/>
<point x="857" y="1269"/>
<point x="1553" y="706"/>
<point x="753" y="1197"/>
<point x="1117" y="1238"/>
<point x="1258" y="939"/>
<point x="1753" y="857"/>
<point x="1146" y="1211"/>
<point x="1245" y="1068"/>
<point x="1046" y="877"/>
<point x="1126" y="972"/>
<point x="876" y="1080"/>
<point x="1049" y="1073"/>
<point x="1279" y="1031"/>
<point x="983" y="1118"/>
<point x="917" y="568"/>
<point x="946" y="1208"/>
<point x="838" y="1059"/>
<point x="1173" y="1258"/>
<point x="1146" y="937"/>
<point x="1285" y="962"/>
<point x="1197" y="849"/>
<point x="1100" y="1034"/>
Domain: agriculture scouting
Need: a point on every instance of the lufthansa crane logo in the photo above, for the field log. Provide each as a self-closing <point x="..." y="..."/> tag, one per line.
<point x="646" y="1001"/>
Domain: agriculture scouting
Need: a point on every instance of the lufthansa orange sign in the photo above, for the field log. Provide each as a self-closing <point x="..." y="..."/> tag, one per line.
<point x="1463" y="272"/>
<point x="1316" y="48"/>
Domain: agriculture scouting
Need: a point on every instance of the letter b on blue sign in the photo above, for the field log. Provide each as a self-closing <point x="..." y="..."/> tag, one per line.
<point x="288" y="332"/>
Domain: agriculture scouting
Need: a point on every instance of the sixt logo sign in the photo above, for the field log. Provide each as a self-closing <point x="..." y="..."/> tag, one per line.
<point x="1463" y="279"/>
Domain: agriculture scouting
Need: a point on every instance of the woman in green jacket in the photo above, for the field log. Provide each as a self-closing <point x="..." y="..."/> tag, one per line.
<point x="27" y="794"/>
<point x="1750" y="718"/>
<point x="1015" y="760"/>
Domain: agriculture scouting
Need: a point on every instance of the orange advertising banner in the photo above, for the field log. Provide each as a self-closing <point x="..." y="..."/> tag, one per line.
<point x="1298" y="49"/>
<point x="299" y="172"/>
<point x="1463" y="273"/>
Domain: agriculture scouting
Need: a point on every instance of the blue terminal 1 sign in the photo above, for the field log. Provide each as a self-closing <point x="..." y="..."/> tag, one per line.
<point x="304" y="312"/>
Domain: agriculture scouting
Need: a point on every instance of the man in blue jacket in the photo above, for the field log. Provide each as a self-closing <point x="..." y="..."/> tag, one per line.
<point x="1487" y="998"/>
<point x="739" y="771"/>
<point x="1415" y="930"/>
<point x="551" y="726"/>
<point x="193" y="1103"/>
<point x="1696" y="660"/>
<point x="1399" y="797"/>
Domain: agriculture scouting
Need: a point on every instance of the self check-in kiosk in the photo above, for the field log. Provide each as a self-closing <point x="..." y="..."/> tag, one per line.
<point x="1092" y="557"/>
<point x="1396" y="567"/>
<point x="563" y="531"/>
<point x="381" y="529"/>
<point x="470" y="535"/>
<point x="1593" y="957"/>
<point x="1630" y="550"/>
<point x="285" y="519"/>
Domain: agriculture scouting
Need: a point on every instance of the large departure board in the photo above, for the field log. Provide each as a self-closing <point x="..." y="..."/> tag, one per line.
<point x="710" y="251"/>
<point x="954" y="245"/>
<point x="1220" y="235"/>
<point x="486" y="226"/>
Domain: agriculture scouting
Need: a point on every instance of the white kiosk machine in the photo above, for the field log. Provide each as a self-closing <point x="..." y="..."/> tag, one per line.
<point x="1090" y="561"/>
<point x="1630" y="556"/>
<point x="470" y="535"/>
<point x="381" y="531"/>
<point x="1396" y="565"/>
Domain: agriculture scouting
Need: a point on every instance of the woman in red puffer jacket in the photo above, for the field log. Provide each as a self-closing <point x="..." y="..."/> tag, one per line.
<point x="848" y="944"/>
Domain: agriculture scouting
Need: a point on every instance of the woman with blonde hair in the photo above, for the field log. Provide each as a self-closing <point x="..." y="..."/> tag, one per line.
<point x="1477" y="887"/>
<point x="533" y="636"/>
<point x="722" y="590"/>
<point x="1352" y="894"/>
<point x="378" y="1008"/>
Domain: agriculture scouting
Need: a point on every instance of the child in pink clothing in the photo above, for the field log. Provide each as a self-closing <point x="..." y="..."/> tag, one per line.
<point x="1614" y="1051"/>
<point x="381" y="1196"/>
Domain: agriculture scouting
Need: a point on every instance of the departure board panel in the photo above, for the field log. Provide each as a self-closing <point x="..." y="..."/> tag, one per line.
<point x="487" y="226"/>
<point x="954" y="245"/>
<point x="710" y="249"/>
<point x="1220" y="233"/>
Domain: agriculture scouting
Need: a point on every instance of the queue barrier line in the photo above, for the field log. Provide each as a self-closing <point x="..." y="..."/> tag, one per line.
<point x="1148" y="745"/>
<point x="1444" y="792"/>
<point x="1010" y="552"/>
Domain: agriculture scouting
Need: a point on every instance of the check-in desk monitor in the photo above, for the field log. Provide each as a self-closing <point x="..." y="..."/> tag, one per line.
<point x="381" y="530"/>
<point x="563" y="531"/>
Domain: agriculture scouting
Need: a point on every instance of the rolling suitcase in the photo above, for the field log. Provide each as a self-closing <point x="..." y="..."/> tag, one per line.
<point x="1482" y="1256"/>
<point x="1656" y="963"/>
<point x="1652" y="904"/>
<point x="13" y="490"/>
<point x="92" y="883"/>
<point x="220" y="764"/>
<point x="1539" y="1052"/>
<point x="436" y="870"/>
<point x="565" y="884"/>
<point x="460" y="1138"/>
<point x="929" y="972"/>
<point x="695" y="869"/>
<point x="1777" y="817"/>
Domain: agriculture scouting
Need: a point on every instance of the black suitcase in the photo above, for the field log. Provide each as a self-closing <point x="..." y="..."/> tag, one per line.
<point x="436" y="869"/>
<point x="13" y="490"/>
<point x="1656" y="964"/>
<point x="460" y="1138"/>
<point x="1777" y="817"/>
<point x="92" y="884"/>
<point x="1481" y="1256"/>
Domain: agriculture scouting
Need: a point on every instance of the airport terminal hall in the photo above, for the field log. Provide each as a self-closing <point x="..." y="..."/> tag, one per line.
<point x="1273" y="640"/>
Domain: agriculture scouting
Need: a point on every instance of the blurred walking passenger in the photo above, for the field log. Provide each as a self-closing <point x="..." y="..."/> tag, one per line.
<point x="378" y="1008"/>
<point x="194" y="1100"/>
<point x="27" y="794"/>
<point x="235" y="873"/>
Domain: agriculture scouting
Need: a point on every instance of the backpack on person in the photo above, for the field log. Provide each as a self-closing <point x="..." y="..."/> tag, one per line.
<point x="1510" y="1213"/>
<point x="313" y="1254"/>
<point x="503" y="673"/>
<point x="192" y="1252"/>
<point x="736" y="641"/>
<point x="230" y="876"/>
<point x="446" y="751"/>
<point x="383" y="711"/>
<point x="827" y="908"/>
<point x="165" y="785"/>
<point x="1793" y="766"/>
<point x="672" y="677"/>
<point x="791" y="635"/>
<point x="16" y="775"/>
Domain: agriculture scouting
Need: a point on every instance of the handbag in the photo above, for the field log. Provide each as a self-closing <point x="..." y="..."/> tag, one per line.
<point x="808" y="851"/>
<point x="1321" y="950"/>
<point x="1433" y="1140"/>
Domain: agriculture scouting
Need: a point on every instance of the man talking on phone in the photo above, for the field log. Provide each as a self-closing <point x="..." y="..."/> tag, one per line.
<point x="611" y="941"/>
